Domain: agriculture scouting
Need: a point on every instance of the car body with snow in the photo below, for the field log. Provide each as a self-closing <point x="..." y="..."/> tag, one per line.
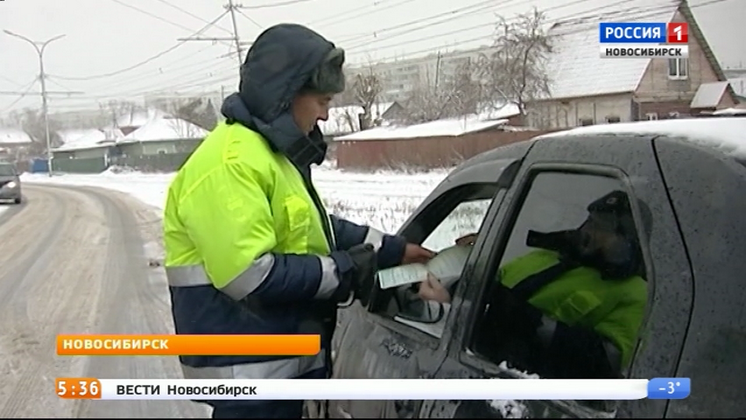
<point x="691" y="174"/>
<point x="10" y="183"/>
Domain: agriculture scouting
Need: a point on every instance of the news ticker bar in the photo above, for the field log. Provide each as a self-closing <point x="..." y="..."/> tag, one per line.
<point x="626" y="51"/>
<point x="373" y="389"/>
<point x="188" y="345"/>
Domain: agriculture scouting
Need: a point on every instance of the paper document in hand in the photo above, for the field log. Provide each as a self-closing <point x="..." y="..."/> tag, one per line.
<point x="446" y="266"/>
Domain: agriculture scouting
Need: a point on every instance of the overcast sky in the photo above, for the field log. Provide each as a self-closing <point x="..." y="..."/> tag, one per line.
<point x="111" y="36"/>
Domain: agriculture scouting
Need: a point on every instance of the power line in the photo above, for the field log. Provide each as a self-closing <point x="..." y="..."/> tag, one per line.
<point x="22" y="95"/>
<point x="280" y="4"/>
<point x="572" y="3"/>
<point x="152" y="73"/>
<point x="479" y="8"/>
<point x="250" y="19"/>
<point x="196" y="69"/>
<point x="145" y="12"/>
<point x="186" y="12"/>
<point x="461" y="30"/>
<point x="9" y="80"/>
<point x="638" y="14"/>
<point x="146" y="61"/>
<point x="192" y="78"/>
<point x="357" y="9"/>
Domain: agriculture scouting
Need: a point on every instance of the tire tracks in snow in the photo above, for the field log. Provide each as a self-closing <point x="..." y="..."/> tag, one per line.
<point x="71" y="261"/>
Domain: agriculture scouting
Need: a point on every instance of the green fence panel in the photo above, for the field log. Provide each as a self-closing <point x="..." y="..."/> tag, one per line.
<point x="79" y="166"/>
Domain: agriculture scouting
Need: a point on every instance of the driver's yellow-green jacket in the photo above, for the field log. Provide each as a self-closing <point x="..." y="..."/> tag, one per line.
<point x="580" y="297"/>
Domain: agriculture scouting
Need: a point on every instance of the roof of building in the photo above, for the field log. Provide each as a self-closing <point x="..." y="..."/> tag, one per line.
<point x="92" y="140"/>
<point x="445" y="127"/>
<point x="69" y="135"/>
<point x="165" y="128"/>
<point x="708" y="95"/>
<point x="575" y="67"/>
<point x="11" y="136"/>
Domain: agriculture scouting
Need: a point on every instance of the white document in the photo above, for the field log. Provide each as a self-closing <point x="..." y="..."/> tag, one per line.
<point x="446" y="266"/>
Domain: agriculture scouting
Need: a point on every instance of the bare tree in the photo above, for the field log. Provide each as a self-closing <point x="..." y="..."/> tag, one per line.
<point x="367" y="87"/>
<point x="114" y="110"/>
<point x="185" y="129"/>
<point x="199" y="112"/>
<point x="347" y="97"/>
<point x="459" y="95"/>
<point x="32" y="122"/>
<point x="515" y="71"/>
<point x="463" y="91"/>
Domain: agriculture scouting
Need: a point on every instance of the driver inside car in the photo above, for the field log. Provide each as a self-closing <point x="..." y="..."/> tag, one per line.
<point x="572" y="307"/>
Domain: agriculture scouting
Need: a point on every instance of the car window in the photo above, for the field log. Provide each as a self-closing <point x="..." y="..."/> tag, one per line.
<point x="568" y="296"/>
<point x="7" y="170"/>
<point x="456" y="214"/>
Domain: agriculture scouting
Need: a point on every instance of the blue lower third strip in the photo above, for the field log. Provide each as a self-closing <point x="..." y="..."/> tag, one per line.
<point x="669" y="388"/>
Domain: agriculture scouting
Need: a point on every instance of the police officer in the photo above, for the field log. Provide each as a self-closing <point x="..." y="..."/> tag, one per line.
<point x="250" y="248"/>
<point x="586" y="324"/>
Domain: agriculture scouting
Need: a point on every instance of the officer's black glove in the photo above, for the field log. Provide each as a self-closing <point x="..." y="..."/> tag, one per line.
<point x="356" y="270"/>
<point x="513" y="315"/>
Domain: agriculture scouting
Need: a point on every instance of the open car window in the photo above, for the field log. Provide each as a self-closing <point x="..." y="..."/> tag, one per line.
<point x="456" y="214"/>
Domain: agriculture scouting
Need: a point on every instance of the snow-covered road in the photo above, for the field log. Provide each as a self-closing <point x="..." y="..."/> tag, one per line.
<point x="74" y="260"/>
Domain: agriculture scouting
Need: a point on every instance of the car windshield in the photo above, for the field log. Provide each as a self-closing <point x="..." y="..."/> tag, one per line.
<point x="7" y="170"/>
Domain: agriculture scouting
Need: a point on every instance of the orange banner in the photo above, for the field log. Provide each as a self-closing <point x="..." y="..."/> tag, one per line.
<point x="188" y="345"/>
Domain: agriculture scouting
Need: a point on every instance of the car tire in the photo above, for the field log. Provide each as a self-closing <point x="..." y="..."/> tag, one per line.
<point x="17" y="201"/>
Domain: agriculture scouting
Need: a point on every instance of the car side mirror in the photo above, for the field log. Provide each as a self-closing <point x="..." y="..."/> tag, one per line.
<point x="423" y="311"/>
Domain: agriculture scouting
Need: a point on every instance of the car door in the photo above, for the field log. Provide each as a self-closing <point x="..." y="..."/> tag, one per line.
<point x="381" y="341"/>
<point x="552" y="192"/>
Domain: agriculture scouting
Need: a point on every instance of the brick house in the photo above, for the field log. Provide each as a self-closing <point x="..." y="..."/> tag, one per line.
<point x="586" y="89"/>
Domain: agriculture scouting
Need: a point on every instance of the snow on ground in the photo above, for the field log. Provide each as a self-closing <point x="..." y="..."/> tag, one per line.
<point x="383" y="200"/>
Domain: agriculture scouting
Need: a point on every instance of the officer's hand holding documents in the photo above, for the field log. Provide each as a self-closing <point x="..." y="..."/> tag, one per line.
<point x="446" y="266"/>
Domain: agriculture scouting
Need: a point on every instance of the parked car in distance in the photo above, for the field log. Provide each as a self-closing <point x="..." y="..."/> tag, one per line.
<point x="685" y="181"/>
<point x="10" y="183"/>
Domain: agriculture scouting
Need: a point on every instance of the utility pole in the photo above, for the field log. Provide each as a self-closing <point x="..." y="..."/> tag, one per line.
<point x="231" y="8"/>
<point x="39" y="47"/>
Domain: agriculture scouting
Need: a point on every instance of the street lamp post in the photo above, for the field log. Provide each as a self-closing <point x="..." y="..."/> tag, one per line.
<point x="39" y="47"/>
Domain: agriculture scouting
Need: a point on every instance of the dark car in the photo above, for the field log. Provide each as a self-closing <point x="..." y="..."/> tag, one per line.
<point x="687" y="176"/>
<point x="10" y="183"/>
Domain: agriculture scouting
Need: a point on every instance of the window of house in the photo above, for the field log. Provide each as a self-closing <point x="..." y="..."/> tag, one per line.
<point x="678" y="68"/>
<point x="612" y="120"/>
<point x="568" y="293"/>
<point x="162" y="151"/>
<point x="652" y="116"/>
<point x="586" y="121"/>
<point x="457" y="214"/>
